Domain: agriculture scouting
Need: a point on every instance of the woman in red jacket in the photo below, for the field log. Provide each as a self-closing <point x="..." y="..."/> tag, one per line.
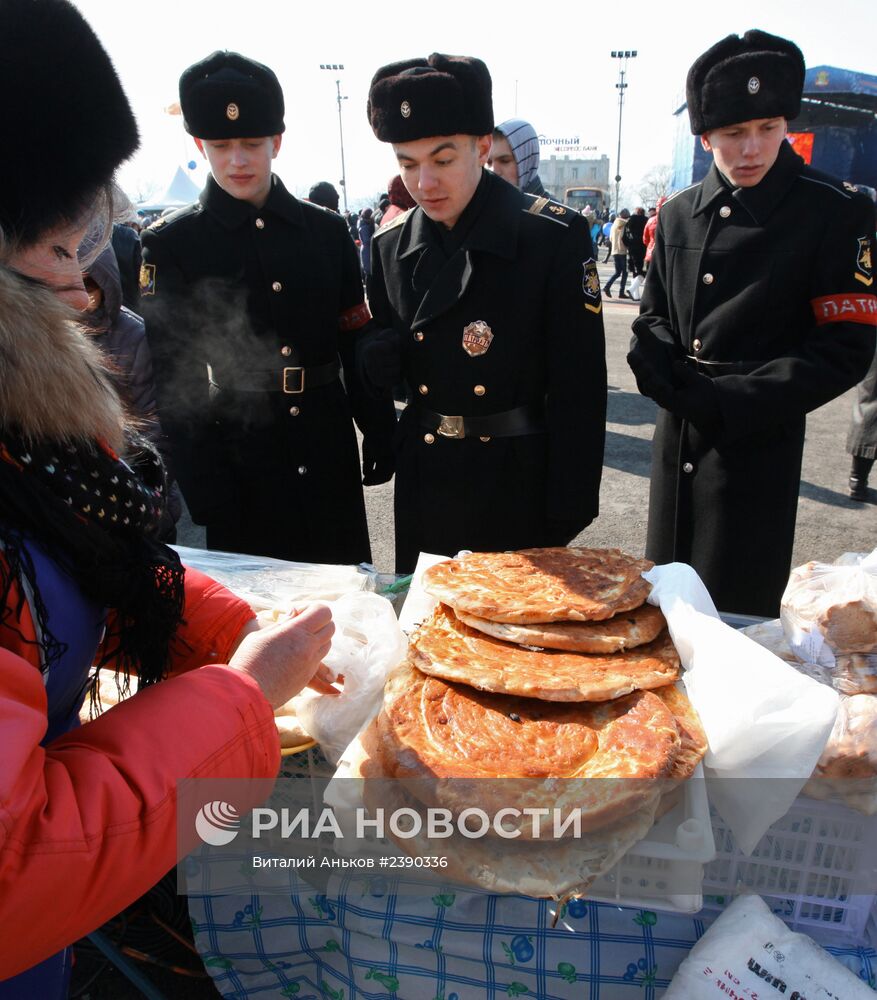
<point x="87" y="815"/>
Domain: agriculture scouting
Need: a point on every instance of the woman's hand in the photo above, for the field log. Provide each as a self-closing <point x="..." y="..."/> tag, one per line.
<point x="284" y="657"/>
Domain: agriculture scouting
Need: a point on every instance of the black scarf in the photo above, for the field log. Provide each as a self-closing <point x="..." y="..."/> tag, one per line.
<point x="97" y="516"/>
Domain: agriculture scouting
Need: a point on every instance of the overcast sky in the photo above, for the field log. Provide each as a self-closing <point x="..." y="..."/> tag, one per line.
<point x="550" y="64"/>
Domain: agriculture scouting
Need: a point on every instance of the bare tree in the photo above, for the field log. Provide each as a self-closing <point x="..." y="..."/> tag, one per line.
<point x="655" y="184"/>
<point x="142" y="191"/>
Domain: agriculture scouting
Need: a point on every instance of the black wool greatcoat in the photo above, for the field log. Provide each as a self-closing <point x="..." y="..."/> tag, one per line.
<point x="525" y="269"/>
<point x="232" y="295"/>
<point x="776" y="278"/>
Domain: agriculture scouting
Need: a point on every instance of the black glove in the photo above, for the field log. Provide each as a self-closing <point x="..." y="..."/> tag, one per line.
<point x="382" y="360"/>
<point x="653" y="362"/>
<point x="560" y="531"/>
<point x="378" y="463"/>
<point x="697" y="400"/>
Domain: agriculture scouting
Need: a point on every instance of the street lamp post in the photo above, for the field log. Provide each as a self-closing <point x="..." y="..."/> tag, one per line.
<point x="337" y="67"/>
<point x="621" y="86"/>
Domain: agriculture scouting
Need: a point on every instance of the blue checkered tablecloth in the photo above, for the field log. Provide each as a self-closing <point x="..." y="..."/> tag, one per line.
<point x="360" y="940"/>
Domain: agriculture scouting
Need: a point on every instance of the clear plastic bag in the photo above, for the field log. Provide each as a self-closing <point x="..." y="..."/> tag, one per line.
<point x="846" y="772"/>
<point x="266" y="583"/>
<point x="367" y="645"/>
<point x="829" y="616"/>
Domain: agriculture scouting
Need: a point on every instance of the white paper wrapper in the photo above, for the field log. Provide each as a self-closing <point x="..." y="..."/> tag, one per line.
<point x="766" y="723"/>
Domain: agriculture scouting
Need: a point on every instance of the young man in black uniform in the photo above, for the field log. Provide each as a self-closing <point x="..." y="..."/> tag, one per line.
<point x="251" y="297"/>
<point x="491" y="306"/>
<point x="758" y="308"/>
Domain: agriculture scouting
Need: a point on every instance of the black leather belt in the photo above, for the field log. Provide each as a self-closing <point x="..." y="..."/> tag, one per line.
<point x="510" y="423"/>
<point x="292" y="381"/>
<point x="713" y="368"/>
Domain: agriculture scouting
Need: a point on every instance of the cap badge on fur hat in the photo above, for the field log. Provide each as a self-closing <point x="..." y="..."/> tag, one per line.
<point x="754" y="85"/>
<point x="405" y="109"/>
<point x="232" y="112"/>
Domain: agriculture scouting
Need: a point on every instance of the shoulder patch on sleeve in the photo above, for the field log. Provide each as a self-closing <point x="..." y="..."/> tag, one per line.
<point x="865" y="261"/>
<point x="147" y="279"/>
<point x="548" y="209"/>
<point x="392" y="223"/>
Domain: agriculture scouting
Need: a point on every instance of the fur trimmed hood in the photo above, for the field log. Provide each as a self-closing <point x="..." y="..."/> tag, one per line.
<point x="54" y="384"/>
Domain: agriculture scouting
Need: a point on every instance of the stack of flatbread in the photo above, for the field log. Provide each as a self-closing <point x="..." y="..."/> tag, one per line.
<point x="542" y="680"/>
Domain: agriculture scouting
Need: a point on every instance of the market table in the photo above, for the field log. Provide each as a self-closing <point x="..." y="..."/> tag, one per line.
<point x="356" y="937"/>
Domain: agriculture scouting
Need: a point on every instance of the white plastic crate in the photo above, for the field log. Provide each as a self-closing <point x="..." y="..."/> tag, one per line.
<point x="807" y="867"/>
<point x="664" y="871"/>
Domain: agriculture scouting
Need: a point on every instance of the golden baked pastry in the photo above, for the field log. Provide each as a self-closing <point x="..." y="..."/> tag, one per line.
<point x="545" y="868"/>
<point x="694" y="742"/>
<point x="443" y="646"/>
<point x="444" y="739"/>
<point x="541" y="585"/>
<point x="625" y="630"/>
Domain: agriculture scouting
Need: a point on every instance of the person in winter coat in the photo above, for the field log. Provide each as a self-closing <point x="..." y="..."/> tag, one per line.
<point x="126" y="247"/>
<point x="619" y="255"/>
<point x="489" y="304"/>
<point x="366" y="229"/>
<point x="121" y="335"/>
<point x="514" y="155"/>
<point x="651" y="228"/>
<point x="253" y="302"/>
<point x="400" y="200"/>
<point x="862" y="437"/>
<point x="758" y="308"/>
<point x="89" y="813"/>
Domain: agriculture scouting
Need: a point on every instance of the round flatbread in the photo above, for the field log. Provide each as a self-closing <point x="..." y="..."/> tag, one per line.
<point x="626" y="630"/>
<point x="546" y="868"/>
<point x="443" y="646"/>
<point x="541" y="585"/>
<point x="444" y="740"/>
<point x="694" y="742"/>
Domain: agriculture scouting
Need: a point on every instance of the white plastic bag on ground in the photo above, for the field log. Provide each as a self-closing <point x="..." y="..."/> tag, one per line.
<point x="367" y="645"/>
<point x="749" y="952"/>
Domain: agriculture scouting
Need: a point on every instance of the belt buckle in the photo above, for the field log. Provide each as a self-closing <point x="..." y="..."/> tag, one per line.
<point x="451" y="427"/>
<point x="301" y="381"/>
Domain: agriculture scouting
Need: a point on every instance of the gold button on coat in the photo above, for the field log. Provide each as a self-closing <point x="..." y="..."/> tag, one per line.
<point x="260" y="223"/>
<point x="286" y="351"/>
<point x="423" y="389"/>
<point x="277" y="286"/>
<point x="429" y="438"/>
<point x="302" y="469"/>
<point x="479" y="390"/>
<point x="688" y="467"/>
<point x="294" y="411"/>
<point x="708" y="279"/>
<point x="696" y="345"/>
<point x="724" y="211"/>
<point x="418" y="336"/>
<point x="485" y="439"/>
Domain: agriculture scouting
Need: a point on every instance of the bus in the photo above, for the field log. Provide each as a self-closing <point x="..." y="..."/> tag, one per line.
<point x="578" y="197"/>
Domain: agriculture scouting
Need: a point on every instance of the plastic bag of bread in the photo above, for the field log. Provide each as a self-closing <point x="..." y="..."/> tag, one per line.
<point x="847" y="769"/>
<point x="829" y="616"/>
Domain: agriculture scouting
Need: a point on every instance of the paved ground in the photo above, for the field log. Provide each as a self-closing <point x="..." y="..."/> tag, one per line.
<point x="829" y="523"/>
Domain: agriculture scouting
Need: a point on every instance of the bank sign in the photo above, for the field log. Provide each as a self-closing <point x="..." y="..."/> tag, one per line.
<point x="569" y="144"/>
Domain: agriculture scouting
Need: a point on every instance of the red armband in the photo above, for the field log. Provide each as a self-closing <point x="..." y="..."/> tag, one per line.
<point x="354" y="318"/>
<point x="847" y="307"/>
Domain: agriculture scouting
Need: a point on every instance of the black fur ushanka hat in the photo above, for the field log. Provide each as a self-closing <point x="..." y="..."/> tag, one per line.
<point x="441" y="95"/>
<point x="738" y="79"/>
<point x="228" y="96"/>
<point x="66" y="123"/>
